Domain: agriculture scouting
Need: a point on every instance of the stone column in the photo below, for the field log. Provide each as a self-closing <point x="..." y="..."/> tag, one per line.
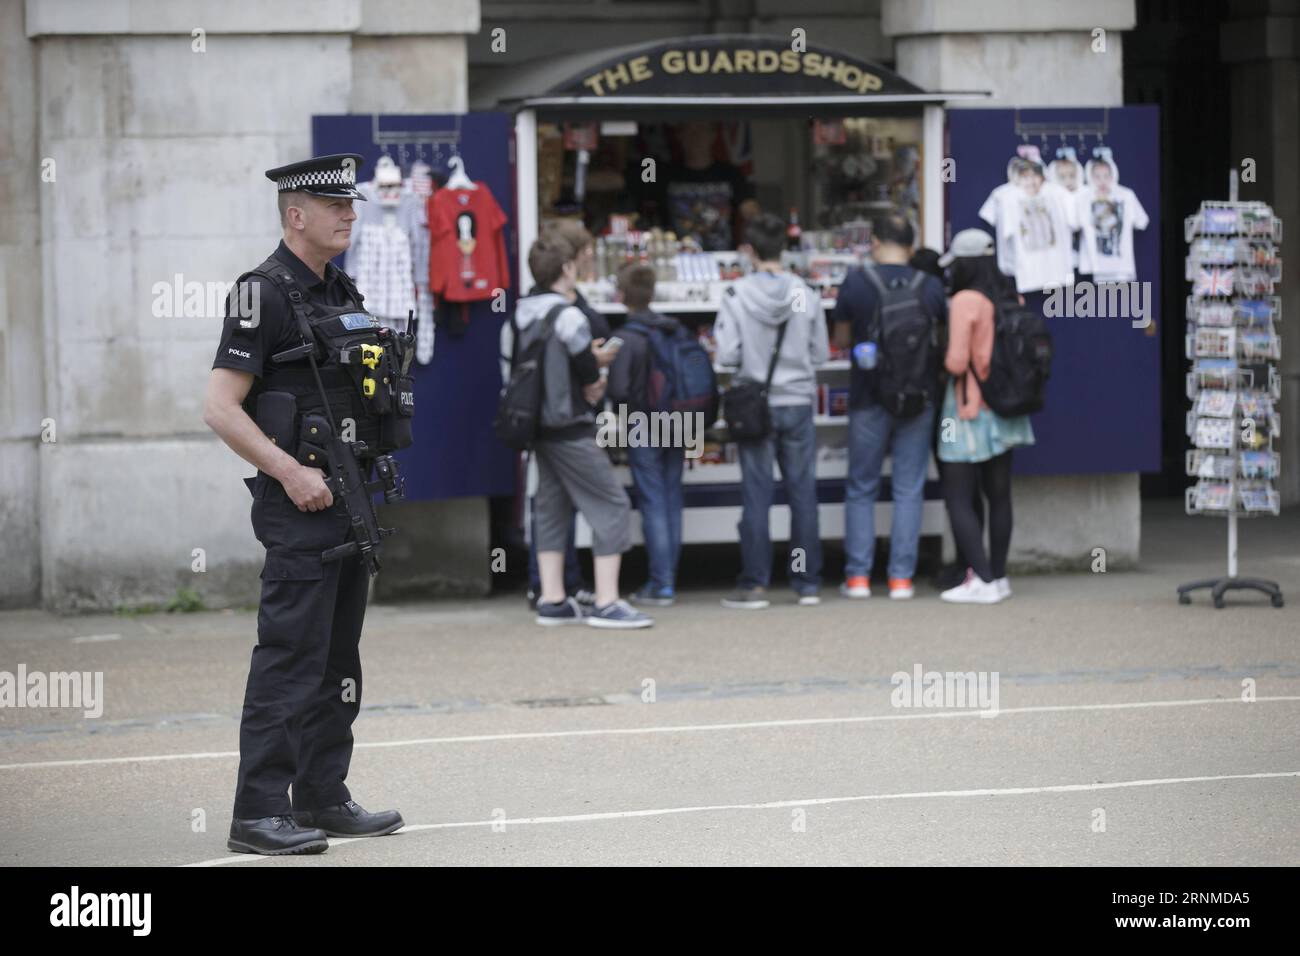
<point x="22" y="365"/>
<point x="1262" y="45"/>
<point x="160" y="116"/>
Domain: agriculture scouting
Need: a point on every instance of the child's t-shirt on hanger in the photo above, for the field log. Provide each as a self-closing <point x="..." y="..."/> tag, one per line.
<point x="1106" y="250"/>
<point x="994" y="212"/>
<point x="1042" y="226"/>
<point x="467" y="256"/>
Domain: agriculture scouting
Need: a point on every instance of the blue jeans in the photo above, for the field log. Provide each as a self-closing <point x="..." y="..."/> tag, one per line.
<point x="793" y="443"/>
<point x="657" y="474"/>
<point x="872" y="433"/>
<point x="573" y="582"/>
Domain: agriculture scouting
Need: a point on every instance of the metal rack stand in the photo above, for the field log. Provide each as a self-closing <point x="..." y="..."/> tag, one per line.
<point x="1231" y="340"/>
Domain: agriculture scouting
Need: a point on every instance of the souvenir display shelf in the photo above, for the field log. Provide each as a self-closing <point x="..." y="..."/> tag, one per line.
<point x="1233" y="384"/>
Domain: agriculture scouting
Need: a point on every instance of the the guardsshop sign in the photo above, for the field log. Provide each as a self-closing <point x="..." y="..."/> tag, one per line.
<point x="738" y="65"/>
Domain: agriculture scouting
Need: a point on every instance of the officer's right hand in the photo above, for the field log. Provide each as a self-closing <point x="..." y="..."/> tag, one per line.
<point x="306" y="488"/>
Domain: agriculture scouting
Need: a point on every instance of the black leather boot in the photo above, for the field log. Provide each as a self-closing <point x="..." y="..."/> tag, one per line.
<point x="275" y="836"/>
<point x="350" y="820"/>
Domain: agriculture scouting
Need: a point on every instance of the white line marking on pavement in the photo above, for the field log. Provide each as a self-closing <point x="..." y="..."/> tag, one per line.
<point x="811" y="802"/>
<point x="234" y="857"/>
<point x="94" y="638"/>
<point x="671" y="729"/>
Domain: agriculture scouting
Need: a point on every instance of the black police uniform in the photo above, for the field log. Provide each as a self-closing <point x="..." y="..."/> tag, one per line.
<point x="298" y="712"/>
<point x="332" y="388"/>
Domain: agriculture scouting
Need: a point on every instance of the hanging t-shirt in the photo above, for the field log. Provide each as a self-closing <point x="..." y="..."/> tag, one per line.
<point x="410" y="219"/>
<point x="467" y="253"/>
<point x="378" y="270"/>
<point x="1067" y="173"/>
<point x="383" y="274"/>
<point x="994" y="212"/>
<point x="1107" y="222"/>
<point x="1041" y="225"/>
<point x="703" y="203"/>
<point x="419" y="188"/>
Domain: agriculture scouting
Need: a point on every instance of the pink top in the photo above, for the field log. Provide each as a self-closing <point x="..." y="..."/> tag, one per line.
<point x="970" y="341"/>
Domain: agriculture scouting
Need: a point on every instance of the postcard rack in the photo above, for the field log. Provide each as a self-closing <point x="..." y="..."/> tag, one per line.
<point x="1233" y="346"/>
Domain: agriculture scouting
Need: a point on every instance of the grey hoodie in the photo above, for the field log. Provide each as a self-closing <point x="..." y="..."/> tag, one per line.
<point x="568" y="360"/>
<point x="752" y="309"/>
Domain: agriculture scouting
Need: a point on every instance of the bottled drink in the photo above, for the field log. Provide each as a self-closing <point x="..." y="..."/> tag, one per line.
<point x="864" y="355"/>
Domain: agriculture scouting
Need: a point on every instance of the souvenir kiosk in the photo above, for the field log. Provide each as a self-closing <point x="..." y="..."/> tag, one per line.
<point x="663" y="148"/>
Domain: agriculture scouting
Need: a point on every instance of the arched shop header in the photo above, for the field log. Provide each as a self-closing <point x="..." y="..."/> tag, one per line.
<point x="721" y="69"/>
<point x="735" y="65"/>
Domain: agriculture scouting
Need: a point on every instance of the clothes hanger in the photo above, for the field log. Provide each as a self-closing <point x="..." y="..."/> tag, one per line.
<point x="458" y="179"/>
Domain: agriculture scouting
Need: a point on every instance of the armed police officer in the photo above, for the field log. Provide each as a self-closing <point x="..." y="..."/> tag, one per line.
<point x="310" y="389"/>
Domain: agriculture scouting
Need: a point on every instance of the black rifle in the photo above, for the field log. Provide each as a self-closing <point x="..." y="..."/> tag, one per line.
<point x="349" y="485"/>
<point x="345" y="481"/>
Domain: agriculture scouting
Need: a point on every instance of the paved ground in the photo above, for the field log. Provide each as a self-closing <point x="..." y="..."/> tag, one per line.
<point x="771" y="739"/>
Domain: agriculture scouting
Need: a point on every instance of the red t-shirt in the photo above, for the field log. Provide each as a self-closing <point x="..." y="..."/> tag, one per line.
<point x="467" y="245"/>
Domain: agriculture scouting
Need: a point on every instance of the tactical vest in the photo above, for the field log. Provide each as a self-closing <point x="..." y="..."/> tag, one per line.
<point x="363" y="366"/>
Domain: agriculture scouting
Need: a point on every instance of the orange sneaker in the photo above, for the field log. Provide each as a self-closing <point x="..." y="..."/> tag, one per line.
<point x="857" y="587"/>
<point x="900" y="589"/>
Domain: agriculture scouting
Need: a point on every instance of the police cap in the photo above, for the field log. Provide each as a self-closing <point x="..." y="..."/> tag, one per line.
<point x="334" y="175"/>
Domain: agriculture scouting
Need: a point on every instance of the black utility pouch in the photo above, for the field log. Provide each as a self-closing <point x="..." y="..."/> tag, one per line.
<point x="276" y="412"/>
<point x="312" y="436"/>
<point x="405" y="404"/>
<point x="395" y="427"/>
<point x="386" y="386"/>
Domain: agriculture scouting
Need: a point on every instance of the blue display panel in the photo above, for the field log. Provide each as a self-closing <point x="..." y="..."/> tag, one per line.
<point x="1103" y="399"/>
<point x="455" y="453"/>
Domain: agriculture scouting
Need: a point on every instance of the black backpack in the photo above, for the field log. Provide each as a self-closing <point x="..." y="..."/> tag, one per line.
<point x="907" y="345"/>
<point x="519" y="409"/>
<point x="1021" y="363"/>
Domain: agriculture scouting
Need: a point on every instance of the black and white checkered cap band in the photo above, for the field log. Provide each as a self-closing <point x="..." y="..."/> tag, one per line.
<point x="321" y="177"/>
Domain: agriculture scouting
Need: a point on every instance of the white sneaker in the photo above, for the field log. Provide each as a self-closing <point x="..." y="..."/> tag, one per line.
<point x="1004" y="587"/>
<point x="900" y="589"/>
<point x="973" y="590"/>
<point x="859" y="588"/>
